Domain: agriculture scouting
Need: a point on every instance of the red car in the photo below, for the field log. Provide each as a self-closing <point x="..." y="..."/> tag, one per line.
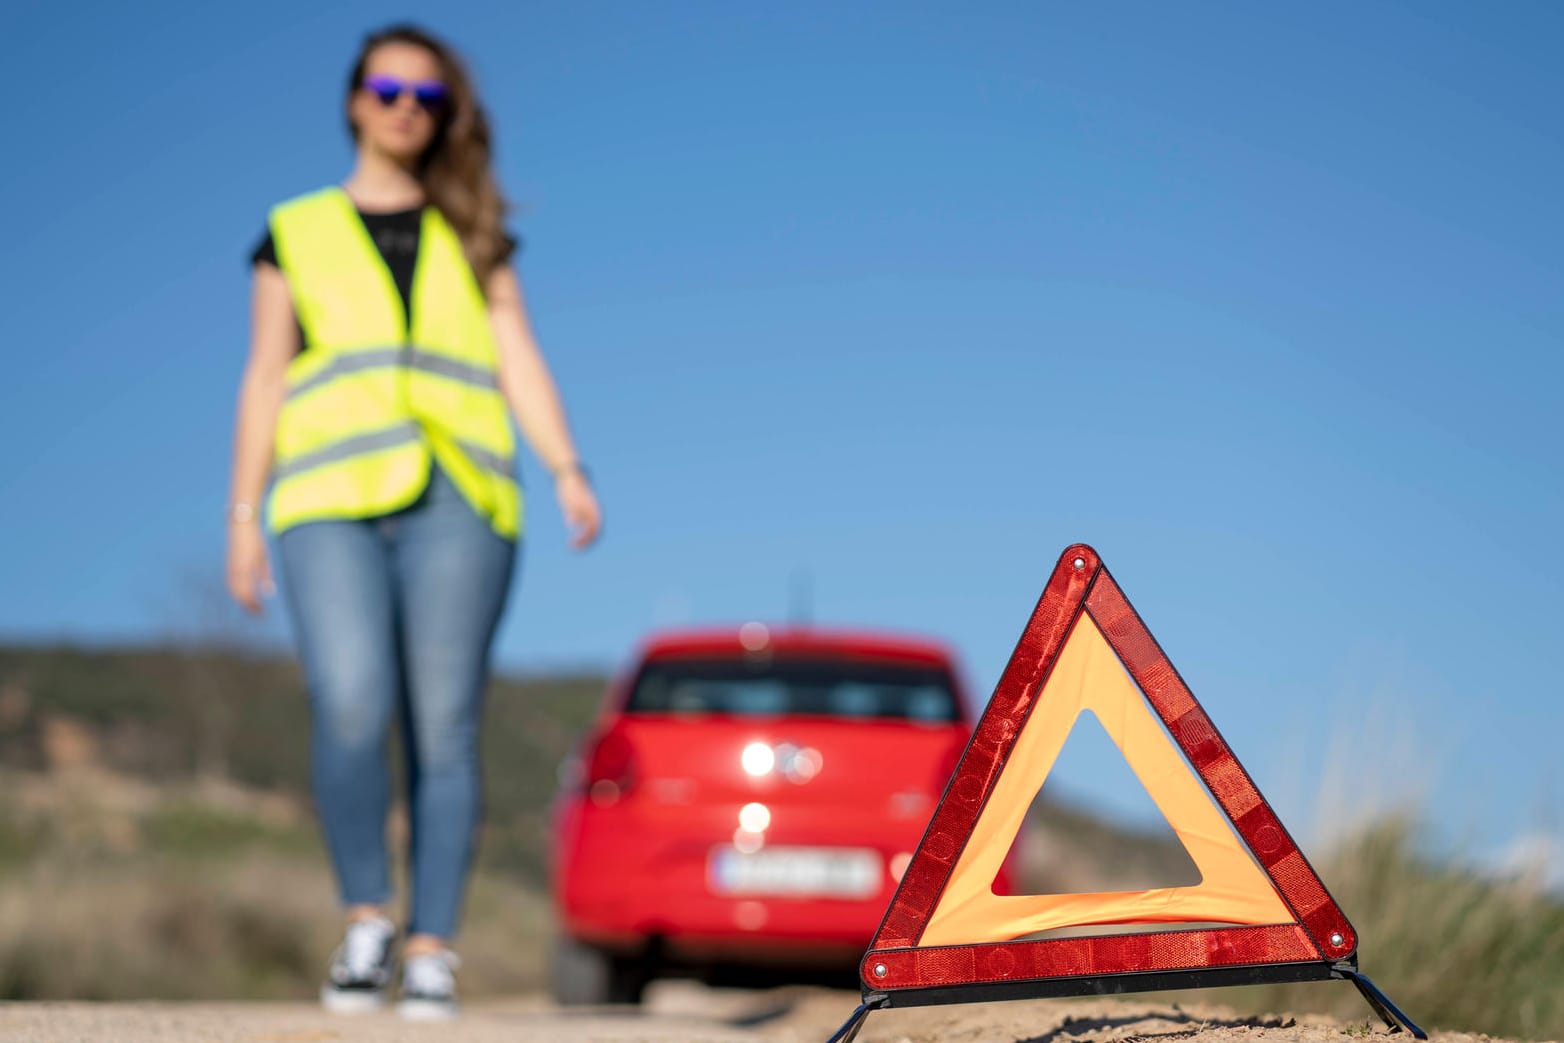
<point x="748" y="798"/>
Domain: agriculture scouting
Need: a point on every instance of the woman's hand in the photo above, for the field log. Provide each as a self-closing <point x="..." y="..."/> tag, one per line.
<point x="249" y="573"/>
<point x="578" y="503"/>
<point x="273" y="343"/>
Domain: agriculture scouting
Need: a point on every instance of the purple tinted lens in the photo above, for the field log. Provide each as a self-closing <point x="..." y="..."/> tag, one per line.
<point x="431" y="95"/>
<point x="386" y="88"/>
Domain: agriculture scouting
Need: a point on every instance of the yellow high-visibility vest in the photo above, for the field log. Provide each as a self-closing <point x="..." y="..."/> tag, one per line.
<point x="372" y="401"/>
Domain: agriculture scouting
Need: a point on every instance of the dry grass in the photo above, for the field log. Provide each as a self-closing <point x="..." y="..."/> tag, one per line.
<point x="256" y="928"/>
<point x="127" y="891"/>
<point x="155" y="838"/>
<point x="1454" y="948"/>
<point x="143" y="928"/>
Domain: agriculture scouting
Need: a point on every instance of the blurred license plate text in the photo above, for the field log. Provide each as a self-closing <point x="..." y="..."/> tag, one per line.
<point x="837" y="872"/>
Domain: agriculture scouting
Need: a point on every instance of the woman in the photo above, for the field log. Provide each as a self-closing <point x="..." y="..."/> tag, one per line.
<point x="390" y="344"/>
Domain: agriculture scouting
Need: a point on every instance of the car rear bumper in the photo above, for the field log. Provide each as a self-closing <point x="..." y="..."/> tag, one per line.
<point x="619" y="885"/>
<point x="750" y="951"/>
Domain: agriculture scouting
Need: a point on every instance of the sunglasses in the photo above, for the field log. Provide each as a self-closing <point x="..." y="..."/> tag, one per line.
<point x="431" y="95"/>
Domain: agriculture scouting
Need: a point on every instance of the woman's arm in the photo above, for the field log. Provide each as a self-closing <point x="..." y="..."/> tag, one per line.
<point x="273" y="342"/>
<point x="529" y="389"/>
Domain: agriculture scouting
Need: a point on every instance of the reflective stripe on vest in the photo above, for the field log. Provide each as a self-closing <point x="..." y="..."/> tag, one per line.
<point x="372" y="402"/>
<point x="354" y="445"/>
<point x="408" y="356"/>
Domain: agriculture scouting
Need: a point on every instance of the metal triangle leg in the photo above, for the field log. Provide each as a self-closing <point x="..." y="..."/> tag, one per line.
<point x="849" y="1031"/>
<point x="1392" y="1014"/>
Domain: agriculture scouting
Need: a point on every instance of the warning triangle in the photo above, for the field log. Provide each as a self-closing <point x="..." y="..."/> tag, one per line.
<point x="1258" y="913"/>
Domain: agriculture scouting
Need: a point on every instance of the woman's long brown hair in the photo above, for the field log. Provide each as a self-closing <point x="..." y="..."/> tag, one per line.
<point x="455" y="169"/>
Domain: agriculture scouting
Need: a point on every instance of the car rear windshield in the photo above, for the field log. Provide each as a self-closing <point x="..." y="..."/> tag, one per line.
<point x="810" y="687"/>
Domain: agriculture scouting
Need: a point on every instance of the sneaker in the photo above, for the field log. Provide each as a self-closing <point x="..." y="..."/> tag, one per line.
<point x="360" y="968"/>
<point x="429" y="986"/>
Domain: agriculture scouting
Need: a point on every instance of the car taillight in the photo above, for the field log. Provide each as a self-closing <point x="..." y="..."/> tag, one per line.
<point x="610" y="768"/>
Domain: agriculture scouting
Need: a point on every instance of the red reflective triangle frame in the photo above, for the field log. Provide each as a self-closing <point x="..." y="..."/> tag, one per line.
<point x="1318" y="935"/>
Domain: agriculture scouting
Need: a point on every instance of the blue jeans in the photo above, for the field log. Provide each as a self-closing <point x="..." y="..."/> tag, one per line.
<point x="393" y="618"/>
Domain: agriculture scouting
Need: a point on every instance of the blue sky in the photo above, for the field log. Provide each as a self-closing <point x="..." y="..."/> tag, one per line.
<point x="1263" y="303"/>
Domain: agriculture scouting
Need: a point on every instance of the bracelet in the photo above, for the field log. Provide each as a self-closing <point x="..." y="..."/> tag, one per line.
<point x="241" y="512"/>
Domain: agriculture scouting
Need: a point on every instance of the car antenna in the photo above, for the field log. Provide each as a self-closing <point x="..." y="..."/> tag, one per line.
<point x="801" y="597"/>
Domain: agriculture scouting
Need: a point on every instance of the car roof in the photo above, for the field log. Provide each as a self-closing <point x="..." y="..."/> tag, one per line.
<point x="793" y="640"/>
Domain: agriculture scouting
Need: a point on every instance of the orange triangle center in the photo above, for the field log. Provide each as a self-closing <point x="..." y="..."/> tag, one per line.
<point x="1089" y="677"/>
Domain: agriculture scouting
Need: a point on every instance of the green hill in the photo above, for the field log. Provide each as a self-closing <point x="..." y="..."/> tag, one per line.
<point x="169" y="716"/>
<point x="156" y="838"/>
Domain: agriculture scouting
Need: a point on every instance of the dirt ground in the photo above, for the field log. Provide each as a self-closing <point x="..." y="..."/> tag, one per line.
<point x="682" y="1013"/>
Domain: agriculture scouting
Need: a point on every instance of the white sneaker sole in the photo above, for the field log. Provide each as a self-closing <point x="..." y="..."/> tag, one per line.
<point x="426" y="1010"/>
<point x="339" y="1001"/>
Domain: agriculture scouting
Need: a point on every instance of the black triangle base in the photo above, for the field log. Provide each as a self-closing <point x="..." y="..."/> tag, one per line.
<point x="1117" y="984"/>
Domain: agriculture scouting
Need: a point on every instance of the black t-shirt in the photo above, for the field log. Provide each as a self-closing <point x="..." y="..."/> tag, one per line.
<point x="396" y="234"/>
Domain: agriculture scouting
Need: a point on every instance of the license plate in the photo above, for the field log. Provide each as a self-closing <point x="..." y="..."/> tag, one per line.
<point x="837" y="872"/>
